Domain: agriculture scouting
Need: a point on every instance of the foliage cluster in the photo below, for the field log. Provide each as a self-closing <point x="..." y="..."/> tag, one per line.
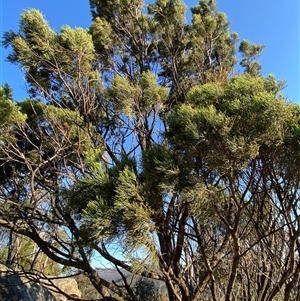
<point x="140" y="144"/>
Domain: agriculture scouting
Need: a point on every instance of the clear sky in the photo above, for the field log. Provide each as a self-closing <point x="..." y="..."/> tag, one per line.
<point x="274" y="23"/>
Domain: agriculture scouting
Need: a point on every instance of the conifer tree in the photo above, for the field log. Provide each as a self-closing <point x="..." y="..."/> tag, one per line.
<point x="139" y="144"/>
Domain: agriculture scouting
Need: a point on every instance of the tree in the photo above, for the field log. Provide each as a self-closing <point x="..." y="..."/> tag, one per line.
<point x="138" y="133"/>
<point x="146" y="290"/>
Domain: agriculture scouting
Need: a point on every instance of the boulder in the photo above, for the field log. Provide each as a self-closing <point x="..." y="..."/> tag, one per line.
<point x="14" y="287"/>
<point x="67" y="285"/>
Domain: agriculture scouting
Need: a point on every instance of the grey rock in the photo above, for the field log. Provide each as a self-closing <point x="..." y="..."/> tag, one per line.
<point x="113" y="276"/>
<point x="14" y="287"/>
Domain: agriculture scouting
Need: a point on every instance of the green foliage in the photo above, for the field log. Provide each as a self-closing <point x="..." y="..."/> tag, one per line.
<point x="146" y="290"/>
<point x="46" y="55"/>
<point x="171" y="13"/>
<point x="94" y="191"/>
<point x="31" y="44"/>
<point x="124" y="93"/>
<point x="9" y="111"/>
<point x="102" y="34"/>
<point x="212" y="41"/>
<point x="32" y="22"/>
<point x="77" y="44"/>
<point x="108" y="9"/>
<point x="139" y="137"/>
<point x="228" y="126"/>
<point x="29" y="257"/>
<point x="250" y="53"/>
<point x="116" y="207"/>
<point x="160" y="172"/>
<point x="151" y="92"/>
<point x="146" y="94"/>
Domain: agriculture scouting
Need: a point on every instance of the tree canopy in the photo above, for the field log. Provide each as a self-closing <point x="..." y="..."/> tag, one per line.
<point x="140" y="143"/>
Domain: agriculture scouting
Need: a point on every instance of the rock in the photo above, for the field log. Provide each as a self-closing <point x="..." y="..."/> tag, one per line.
<point x="112" y="275"/>
<point x="14" y="287"/>
<point x="67" y="285"/>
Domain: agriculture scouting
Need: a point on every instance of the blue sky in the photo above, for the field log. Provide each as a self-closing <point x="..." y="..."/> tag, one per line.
<point x="272" y="23"/>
